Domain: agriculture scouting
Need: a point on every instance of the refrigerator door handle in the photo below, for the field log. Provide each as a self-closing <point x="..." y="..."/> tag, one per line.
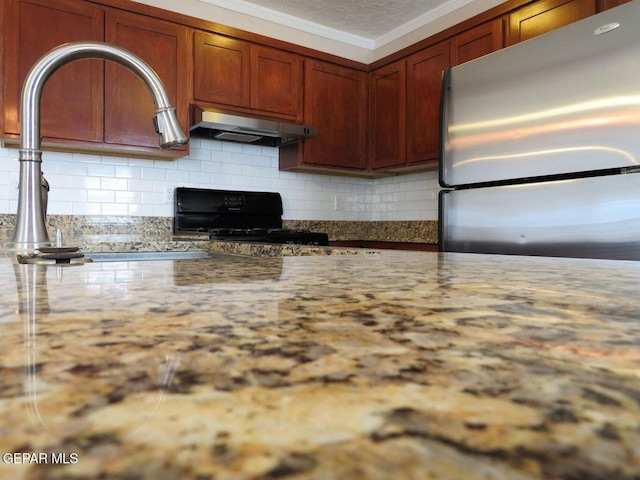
<point x="443" y="221"/>
<point x="444" y="122"/>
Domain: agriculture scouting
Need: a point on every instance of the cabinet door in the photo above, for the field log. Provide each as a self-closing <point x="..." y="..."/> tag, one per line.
<point x="607" y="4"/>
<point x="387" y="115"/>
<point x="544" y="16"/>
<point x="424" y="87"/>
<point x="72" y="99"/>
<point x="335" y="103"/>
<point x="129" y="107"/>
<point x="476" y="42"/>
<point x="221" y="70"/>
<point x="276" y="81"/>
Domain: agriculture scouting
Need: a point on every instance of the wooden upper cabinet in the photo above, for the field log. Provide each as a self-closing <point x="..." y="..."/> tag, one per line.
<point x="404" y="99"/>
<point x="221" y="70"/>
<point x="129" y="107"/>
<point x="87" y="105"/>
<point x="424" y="87"/>
<point x="72" y="99"/>
<point x="476" y="42"/>
<point x="276" y="81"/>
<point x="608" y="4"/>
<point x="387" y="116"/>
<point x="544" y="16"/>
<point x="335" y="103"/>
<point x="236" y="73"/>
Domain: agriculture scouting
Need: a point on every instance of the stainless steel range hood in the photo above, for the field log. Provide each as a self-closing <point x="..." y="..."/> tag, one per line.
<point x="217" y="125"/>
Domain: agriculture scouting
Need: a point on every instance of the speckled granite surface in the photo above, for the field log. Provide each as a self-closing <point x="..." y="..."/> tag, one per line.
<point x="397" y="231"/>
<point x="97" y="227"/>
<point x="160" y="228"/>
<point x="402" y="365"/>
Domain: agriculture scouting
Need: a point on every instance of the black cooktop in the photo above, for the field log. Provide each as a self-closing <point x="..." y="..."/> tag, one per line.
<point x="237" y="216"/>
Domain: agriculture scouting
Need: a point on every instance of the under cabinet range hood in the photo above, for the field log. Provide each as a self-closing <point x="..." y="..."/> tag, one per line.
<point x="217" y="125"/>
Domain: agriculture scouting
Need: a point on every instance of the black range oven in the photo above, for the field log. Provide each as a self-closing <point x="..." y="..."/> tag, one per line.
<point x="237" y="216"/>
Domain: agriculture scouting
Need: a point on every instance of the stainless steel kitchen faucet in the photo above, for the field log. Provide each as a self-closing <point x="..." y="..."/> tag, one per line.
<point x="30" y="230"/>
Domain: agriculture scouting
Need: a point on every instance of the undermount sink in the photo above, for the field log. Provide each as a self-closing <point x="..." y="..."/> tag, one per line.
<point x="145" y="256"/>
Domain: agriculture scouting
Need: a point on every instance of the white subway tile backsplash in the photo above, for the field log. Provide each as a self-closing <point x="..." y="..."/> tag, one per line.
<point x="66" y="167"/>
<point x="231" y="169"/>
<point x="113" y="183"/>
<point x="106" y="159"/>
<point x="260" y="184"/>
<point x="130" y="198"/>
<point x="150" y="173"/>
<point x="83" y="184"/>
<point x="99" y="196"/>
<point x="152" y="198"/>
<point x="78" y="208"/>
<point x="231" y="147"/>
<point x="242" y="158"/>
<point x="59" y="181"/>
<point x="251" y="171"/>
<point x="141" y="162"/>
<point x="141" y="185"/>
<point x="96" y="169"/>
<point x="261" y="161"/>
<point x="140" y="210"/>
<point x="76" y="157"/>
<point x="57" y="208"/>
<point x="69" y="195"/>
<point x="200" y="154"/>
<point x="178" y="177"/>
<point x="86" y="182"/>
<point x="114" y="209"/>
<point x="212" y="167"/>
<point x="191" y="165"/>
<point x="128" y="171"/>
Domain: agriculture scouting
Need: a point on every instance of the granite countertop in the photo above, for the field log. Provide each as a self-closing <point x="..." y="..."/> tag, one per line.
<point x="402" y="365"/>
<point x="105" y="228"/>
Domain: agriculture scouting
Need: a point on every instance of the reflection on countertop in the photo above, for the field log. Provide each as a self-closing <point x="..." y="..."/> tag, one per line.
<point x="397" y="365"/>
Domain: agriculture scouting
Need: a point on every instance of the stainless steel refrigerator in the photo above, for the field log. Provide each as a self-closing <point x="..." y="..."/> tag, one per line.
<point x="541" y="144"/>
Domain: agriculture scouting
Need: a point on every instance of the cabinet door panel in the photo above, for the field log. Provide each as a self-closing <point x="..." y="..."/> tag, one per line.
<point x="546" y="15"/>
<point x="476" y="42"/>
<point x="387" y="116"/>
<point x="221" y="70"/>
<point x="424" y="87"/>
<point x="607" y="4"/>
<point x="72" y="99"/>
<point x="276" y="81"/>
<point x="336" y="105"/>
<point x="129" y="107"/>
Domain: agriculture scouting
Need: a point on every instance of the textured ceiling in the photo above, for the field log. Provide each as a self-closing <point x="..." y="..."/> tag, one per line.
<point x="369" y="19"/>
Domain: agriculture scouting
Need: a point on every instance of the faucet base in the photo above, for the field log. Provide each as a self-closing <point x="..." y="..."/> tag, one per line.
<point x="27" y="248"/>
<point x="31" y="231"/>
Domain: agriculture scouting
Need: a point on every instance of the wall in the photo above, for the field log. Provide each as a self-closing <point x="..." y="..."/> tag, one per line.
<point x="84" y="184"/>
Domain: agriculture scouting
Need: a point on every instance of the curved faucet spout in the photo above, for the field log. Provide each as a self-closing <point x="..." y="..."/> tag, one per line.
<point x="30" y="231"/>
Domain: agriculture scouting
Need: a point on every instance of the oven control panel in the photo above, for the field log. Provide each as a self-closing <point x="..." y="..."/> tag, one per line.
<point x="233" y="201"/>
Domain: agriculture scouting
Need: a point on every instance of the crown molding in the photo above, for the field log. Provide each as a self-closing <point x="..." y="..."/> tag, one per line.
<point x="420" y="21"/>
<point x="289" y="21"/>
<point x="296" y="23"/>
<point x="244" y="15"/>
